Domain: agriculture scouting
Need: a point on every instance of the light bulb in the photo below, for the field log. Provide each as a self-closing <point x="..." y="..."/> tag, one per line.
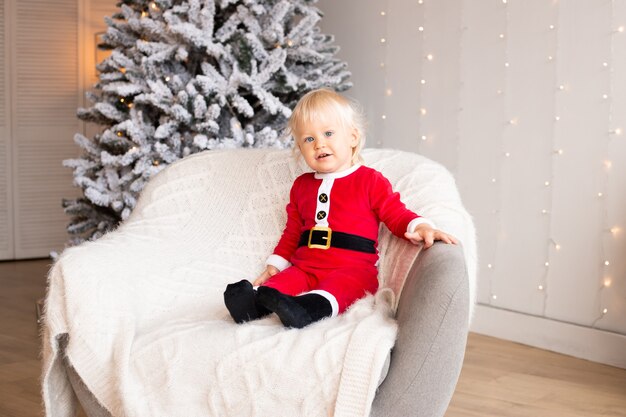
<point x="606" y="310"/>
<point x="547" y="183"/>
<point x="495" y="297"/>
<point x="605" y="96"/>
<point x="605" y="64"/>
<point x="383" y="40"/>
<point x="540" y="287"/>
<point x="607" y="263"/>
<point x="489" y="266"/>
<point x="547" y="264"/>
<point x="421" y="28"/>
<point x="557" y="118"/>
<point x="384" y="116"/>
<point x="502" y="36"/>
<point x="383" y="13"/>
<point x="423" y="81"/>
<point x="424" y="137"/>
<point x="429" y="57"/>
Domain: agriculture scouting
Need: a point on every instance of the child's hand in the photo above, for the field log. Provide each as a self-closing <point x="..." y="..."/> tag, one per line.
<point x="269" y="272"/>
<point x="425" y="234"/>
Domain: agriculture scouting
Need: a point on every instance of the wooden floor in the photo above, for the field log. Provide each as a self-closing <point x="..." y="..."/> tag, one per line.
<point x="499" y="378"/>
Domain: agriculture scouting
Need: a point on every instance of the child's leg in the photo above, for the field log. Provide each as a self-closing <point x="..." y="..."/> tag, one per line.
<point x="291" y="281"/>
<point x="345" y="286"/>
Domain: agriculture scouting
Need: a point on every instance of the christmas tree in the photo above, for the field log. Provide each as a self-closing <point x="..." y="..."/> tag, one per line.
<point x="188" y="76"/>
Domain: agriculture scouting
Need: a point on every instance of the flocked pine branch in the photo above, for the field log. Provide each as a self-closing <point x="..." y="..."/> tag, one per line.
<point x="188" y="76"/>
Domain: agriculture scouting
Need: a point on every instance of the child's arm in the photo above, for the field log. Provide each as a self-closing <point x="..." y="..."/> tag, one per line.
<point x="425" y="234"/>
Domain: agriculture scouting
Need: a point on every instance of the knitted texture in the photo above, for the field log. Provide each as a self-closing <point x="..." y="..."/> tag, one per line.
<point x="143" y="312"/>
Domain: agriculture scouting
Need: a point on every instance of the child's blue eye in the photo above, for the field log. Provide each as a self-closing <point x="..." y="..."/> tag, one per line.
<point x="328" y="133"/>
<point x="309" y="139"/>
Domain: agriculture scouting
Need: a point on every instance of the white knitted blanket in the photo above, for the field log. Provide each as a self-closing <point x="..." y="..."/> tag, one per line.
<point x="143" y="311"/>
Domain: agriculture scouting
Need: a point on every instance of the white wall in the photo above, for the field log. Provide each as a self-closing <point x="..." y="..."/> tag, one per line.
<point x="525" y="102"/>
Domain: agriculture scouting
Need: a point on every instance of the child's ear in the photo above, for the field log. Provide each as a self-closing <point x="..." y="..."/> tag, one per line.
<point x="354" y="138"/>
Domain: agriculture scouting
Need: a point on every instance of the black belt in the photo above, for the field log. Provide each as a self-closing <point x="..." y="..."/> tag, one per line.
<point x="324" y="238"/>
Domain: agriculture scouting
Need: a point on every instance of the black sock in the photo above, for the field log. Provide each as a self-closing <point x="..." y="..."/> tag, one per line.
<point x="240" y="300"/>
<point x="297" y="311"/>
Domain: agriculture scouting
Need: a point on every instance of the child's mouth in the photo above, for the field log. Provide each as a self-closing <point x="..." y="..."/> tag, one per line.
<point x="323" y="155"/>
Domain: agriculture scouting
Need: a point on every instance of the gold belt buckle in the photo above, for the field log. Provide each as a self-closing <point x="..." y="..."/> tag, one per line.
<point x="324" y="229"/>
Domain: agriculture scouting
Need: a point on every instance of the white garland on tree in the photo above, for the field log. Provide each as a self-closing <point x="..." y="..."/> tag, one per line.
<point x="187" y="76"/>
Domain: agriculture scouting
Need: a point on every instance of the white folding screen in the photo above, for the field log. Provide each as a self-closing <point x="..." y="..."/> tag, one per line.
<point x="48" y="52"/>
<point x="6" y="211"/>
<point x="44" y="72"/>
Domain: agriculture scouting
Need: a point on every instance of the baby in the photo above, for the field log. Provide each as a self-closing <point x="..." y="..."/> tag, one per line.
<point x="326" y="257"/>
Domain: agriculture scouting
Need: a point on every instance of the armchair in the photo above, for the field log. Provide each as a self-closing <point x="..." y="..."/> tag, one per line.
<point x="433" y="289"/>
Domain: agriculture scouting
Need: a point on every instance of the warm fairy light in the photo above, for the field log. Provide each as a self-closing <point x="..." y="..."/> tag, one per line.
<point x="605" y="96"/>
<point x="607" y="282"/>
<point x="600" y="194"/>
<point x="384" y="116"/>
<point x="544" y="211"/>
<point x="383" y="40"/>
<point x="605" y="64"/>
<point x="388" y="92"/>
<point x="424" y="137"/>
<point x="606" y="310"/>
<point x="550" y="57"/>
<point x="423" y="81"/>
<point x="607" y="263"/>
<point x="493" y="180"/>
<point x="167" y="78"/>
<point x="513" y="122"/>
<point x="495" y="297"/>
<point x="540" y="287"/>
<point x="557" y="118"/>
<point x="562" y="87"/>
<point x="421" y="28"/>
<point x="608" y="164"/>
<point x="547" y="264"/>
<point x="122" y="100"/>
<point x="423" y="111"/>
<point x="615" y="230"/>
<point x="429" y="57"/>
<point x="119" y="134"/>
<point x="123" y="70"/>
<point x="557" y="247"/>
<point x="489" y="266"/>
<point x="620" y="29"/>
<point x="551" y="27"/>
<point x="383" y="13"/>
<point x="502" y="36"/>
<point x="506" y="64"/>
<point x="507" y="154"/>
<point x="618" y="131"/>
<point x="547" y="183"/>
<point x="559" y="152"/>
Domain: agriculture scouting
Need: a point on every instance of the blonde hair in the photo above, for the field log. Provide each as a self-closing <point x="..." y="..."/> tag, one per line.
<point x="321" y="103"/>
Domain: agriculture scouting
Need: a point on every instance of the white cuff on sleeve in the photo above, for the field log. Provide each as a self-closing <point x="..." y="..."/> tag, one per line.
<point x="278" y="261"/>
<point x="413" y="224"/>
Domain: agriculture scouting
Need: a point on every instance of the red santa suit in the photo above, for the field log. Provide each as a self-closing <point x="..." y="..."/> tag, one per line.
<point x="353" y="201"/>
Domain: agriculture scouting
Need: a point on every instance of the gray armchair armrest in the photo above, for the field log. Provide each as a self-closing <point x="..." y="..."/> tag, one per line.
<point x="433" y="321"/>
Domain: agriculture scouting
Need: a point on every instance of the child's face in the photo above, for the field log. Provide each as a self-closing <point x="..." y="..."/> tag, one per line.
<point x="326" y="145"/>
